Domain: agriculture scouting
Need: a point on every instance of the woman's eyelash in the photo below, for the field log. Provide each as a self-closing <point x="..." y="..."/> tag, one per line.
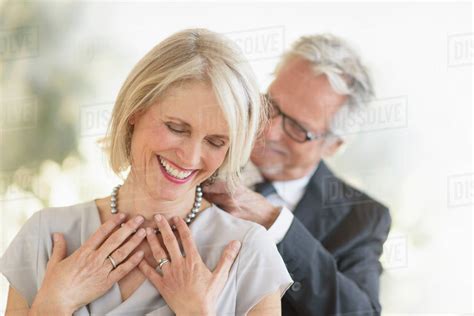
<point x="179" y="131"/>
<point x="216" y="145"/>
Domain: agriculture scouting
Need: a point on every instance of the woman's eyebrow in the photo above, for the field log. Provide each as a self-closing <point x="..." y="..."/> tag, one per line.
<point x="225" y="137"/>
<point x="178" y="119"/>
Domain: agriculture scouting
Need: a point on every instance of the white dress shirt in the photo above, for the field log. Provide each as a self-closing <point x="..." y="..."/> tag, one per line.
<point x="289" y="193"/>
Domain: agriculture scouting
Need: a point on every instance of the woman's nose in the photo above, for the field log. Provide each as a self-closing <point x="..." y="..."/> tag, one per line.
<point x="190" y="154"/>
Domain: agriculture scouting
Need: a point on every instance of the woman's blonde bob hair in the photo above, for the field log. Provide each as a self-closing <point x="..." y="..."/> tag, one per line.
<point x="193" y="54"/>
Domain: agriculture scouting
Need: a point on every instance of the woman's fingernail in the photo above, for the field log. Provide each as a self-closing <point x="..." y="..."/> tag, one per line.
<point x="138" y="219"/>
<point x="121" y="215"/>
<point x="56" y="237"/>
<point x="236" y="245"/>
<point x="175" y="219"/>
<point x="158" y="217"/>
<point x="149" y="231"/>
<point x="141" y="232"/>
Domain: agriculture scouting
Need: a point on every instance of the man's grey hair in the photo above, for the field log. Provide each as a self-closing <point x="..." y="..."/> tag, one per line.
<point x="333" y="57"/>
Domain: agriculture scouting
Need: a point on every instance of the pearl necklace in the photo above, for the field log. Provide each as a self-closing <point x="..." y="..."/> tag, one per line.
<point x="189" y="218"/>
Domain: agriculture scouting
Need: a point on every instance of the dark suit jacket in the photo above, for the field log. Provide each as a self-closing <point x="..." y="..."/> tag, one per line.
<point x="332" y="250"/>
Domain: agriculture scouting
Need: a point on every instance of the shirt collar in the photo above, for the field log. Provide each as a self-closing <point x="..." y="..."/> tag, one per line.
<point x="291" y="191"/>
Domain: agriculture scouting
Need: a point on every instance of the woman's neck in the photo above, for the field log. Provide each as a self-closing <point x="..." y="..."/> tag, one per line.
<point x="133" y="200"/>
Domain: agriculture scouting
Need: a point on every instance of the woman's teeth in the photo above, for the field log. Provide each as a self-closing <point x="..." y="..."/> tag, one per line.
<point x="174" y="172"/>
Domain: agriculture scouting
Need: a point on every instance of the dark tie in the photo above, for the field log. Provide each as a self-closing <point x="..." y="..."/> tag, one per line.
<point x="265" y="188"/>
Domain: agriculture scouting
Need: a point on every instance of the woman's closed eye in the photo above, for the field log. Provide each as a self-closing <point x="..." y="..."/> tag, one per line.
<point x="217" y="143"/>
<point x="175" y="128"/>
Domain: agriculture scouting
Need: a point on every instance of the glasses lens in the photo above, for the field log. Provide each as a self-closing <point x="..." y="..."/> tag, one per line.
<point x="294" y="130"/>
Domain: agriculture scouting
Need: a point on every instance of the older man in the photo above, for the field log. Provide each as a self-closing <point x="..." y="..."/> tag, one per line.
<point x="329" y="234"/>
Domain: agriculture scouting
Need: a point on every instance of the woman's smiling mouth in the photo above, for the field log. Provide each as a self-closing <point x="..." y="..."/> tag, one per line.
<point x="174" y="173"/>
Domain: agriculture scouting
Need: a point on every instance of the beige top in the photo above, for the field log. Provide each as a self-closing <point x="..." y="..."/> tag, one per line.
<point x="258" y="270"/>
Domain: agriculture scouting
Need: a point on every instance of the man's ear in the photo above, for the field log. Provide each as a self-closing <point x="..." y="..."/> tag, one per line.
<point x="330" y="146"/>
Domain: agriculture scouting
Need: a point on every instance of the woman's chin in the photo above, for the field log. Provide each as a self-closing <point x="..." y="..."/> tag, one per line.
<point x="168" y="197"/>
<point x="167" y="192"/>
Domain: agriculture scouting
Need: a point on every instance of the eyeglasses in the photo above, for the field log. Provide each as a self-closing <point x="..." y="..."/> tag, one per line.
<point x="291" y="127"/>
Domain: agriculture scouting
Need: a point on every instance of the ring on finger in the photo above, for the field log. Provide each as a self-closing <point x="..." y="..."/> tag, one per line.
<point x="112" y="261"/>
<point x="163" y="261"/>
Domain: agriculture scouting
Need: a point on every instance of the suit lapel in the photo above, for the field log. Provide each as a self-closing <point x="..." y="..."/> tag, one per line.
<point x="316" y="210"/>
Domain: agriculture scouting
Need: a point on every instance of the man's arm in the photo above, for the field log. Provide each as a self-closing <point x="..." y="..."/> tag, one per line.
<point x="326" y="287"/>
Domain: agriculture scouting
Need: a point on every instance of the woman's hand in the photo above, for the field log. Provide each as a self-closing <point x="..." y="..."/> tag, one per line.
<point x="87" y="274"/>
<point x="186" y="284"/>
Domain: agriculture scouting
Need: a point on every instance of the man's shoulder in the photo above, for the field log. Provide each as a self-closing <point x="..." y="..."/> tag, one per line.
<point x="342" y="199"/>
<point x="356" y="196"/>
<point x="359" y="206"/>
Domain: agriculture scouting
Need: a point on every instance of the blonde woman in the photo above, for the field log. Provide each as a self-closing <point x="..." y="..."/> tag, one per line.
<point x="189" y="111"/>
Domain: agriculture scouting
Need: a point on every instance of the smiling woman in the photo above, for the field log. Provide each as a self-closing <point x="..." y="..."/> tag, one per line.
<point x="174" y="146"/>
<point x="185" y="58"/>
<point x="190" y="110"/>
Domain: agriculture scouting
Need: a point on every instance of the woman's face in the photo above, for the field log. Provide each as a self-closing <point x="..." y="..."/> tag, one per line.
<point x="179" y="142"/>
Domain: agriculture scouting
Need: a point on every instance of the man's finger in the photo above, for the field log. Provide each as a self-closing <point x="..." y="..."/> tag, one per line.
<point x="219" y="186"/>
<point x="217" y="198"/>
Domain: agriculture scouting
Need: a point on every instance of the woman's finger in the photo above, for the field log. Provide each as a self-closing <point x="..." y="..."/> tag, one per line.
<point x="227" y="259"/>
<point x="119" y="236"/>
<point x="123" y="252"/>
<point x="186" y="238"/>
<point x="151" y="274"/>
<point x="156" y="249"/>
<point x="59" y="249"/>
<point x="127" y="266"/>
<point x="104" y="231"/>
<point x="169" y="239"/>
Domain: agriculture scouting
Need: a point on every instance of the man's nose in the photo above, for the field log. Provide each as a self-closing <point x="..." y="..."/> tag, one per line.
<point x="274" y="129"/>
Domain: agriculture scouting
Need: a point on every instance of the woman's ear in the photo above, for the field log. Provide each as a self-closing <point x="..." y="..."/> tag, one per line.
<point x="132" y="119"/>
<point x="135" y="117"/>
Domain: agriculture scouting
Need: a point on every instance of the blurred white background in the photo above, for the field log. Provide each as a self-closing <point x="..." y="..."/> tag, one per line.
<point x="413" y="153"/>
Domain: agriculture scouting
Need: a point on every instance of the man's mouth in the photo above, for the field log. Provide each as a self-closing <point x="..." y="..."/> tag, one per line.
<point x="174" y="171"/>
<point x="268" y="149"/>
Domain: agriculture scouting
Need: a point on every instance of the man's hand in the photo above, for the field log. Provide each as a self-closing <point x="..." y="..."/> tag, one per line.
<point x="244" y="203"/>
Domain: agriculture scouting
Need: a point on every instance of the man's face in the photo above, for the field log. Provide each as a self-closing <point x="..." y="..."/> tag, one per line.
<point x="308" y="99"/>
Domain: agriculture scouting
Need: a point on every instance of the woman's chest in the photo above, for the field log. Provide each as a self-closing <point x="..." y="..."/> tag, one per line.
<point x="130" y="283"/>
<point x="132" y="280"/>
